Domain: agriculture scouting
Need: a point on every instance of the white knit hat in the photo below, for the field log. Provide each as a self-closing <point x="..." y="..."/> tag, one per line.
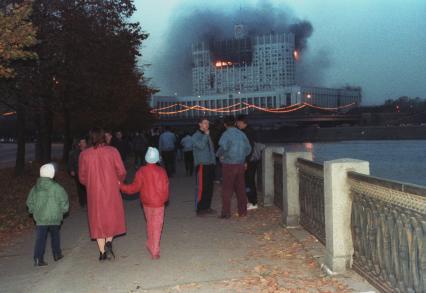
<point x="47" y="170"/>
<point x="152" y="156"/>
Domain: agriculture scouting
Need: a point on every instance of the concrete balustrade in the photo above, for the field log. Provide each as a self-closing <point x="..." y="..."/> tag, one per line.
<point x="291" y="203"/>
<point x="339" y="246"/>
<point x="340" y="204"/>
<point x="268" y="174"/>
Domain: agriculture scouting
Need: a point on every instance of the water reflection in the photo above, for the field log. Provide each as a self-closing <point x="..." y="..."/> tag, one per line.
<point x="397" y="160"/>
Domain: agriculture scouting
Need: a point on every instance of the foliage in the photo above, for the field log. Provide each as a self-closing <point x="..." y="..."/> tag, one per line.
<point x="16" y="34"/>
<point x="87" y="73"/>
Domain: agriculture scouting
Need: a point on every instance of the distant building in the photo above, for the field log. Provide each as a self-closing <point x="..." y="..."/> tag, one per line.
<point x="243" y="64"/>
<point x="281" y="97"/>
<point x="256" y="70"/>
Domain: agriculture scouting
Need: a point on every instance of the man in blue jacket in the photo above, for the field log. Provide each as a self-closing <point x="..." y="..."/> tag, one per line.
<point x="204" y="162"/>
<point x="167" y="144"/>
<point x="234" y="147"/>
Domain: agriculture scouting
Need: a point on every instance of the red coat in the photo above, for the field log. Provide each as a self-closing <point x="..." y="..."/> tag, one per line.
<point x="153" y="185"/>
<point x="100" y="170"/>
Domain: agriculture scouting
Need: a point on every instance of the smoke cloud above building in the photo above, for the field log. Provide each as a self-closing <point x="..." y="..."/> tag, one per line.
<point x="191" y="24"/>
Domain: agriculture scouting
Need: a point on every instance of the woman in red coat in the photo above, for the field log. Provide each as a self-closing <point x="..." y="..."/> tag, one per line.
<point x="100" y="170"/>
<point x="152" y="183"/>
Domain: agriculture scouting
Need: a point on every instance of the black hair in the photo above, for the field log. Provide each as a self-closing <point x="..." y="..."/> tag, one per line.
<point x="201" y="119"/>
<point x="229" y="120"/>
<point x="97" y="136"/>
<point x="242" y="118"/>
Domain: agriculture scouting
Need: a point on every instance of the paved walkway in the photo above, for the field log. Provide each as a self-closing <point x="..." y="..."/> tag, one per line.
<point x="252" y="254"/>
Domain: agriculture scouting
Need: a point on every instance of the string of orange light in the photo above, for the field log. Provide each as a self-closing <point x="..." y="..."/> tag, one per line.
<point x="228" y="109"/>
<point x="330" y="109"/>
<point x="8" y="114"/>
<point x="270" y="110"/>
<point x="225" y="109"/>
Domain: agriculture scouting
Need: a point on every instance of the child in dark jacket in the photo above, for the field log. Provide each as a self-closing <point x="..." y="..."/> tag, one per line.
<point x="153" y="185"/>
<point x="47" y="201"/>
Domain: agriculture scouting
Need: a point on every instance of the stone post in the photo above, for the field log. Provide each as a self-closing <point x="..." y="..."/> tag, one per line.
<point x="268" y="174"/>
<point x="338" y="204"/>
<point x="291" y="204"/>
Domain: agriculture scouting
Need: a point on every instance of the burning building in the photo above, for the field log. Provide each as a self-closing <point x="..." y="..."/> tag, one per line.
<point x="243" y="64"/>
<point x="257" y="70"/>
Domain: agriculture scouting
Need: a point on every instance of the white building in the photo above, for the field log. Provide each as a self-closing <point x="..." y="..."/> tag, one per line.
<point x="243" y="64"/>
<point x="254" y="73"/>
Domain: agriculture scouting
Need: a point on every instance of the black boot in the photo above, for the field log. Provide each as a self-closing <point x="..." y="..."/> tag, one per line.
<point x="57" y="257"/>
<point x="39" y="263"/>
<point x="108" y="250"/>
<point x="102" y="256"/>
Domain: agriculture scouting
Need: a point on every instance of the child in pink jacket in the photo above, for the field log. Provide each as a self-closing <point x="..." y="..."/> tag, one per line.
<point x="153" y="185"/>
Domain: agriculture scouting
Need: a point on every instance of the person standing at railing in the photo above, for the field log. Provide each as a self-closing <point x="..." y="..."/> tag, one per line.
<point x="251" y="161"/>
<point x="234" y="147"/>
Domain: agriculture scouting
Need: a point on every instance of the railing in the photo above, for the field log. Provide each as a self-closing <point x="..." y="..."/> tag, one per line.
<point x="375" y="226"/>
<point x="389" y="233"/>
<point x="311" y="197"/>
<point x="278" y="180"/>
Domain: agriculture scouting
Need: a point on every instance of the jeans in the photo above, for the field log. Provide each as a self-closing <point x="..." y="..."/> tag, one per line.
<point x="41" y="236"/>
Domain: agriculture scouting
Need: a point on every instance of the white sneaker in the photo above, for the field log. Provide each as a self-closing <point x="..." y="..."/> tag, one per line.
<point x="251" y="206"/>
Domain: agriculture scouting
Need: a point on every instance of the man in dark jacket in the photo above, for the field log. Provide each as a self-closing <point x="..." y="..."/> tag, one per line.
<point x="250" y="173"/>
<point x="73" y="170"/>
<point x="121" y="144"/>
<point x="140" y="146"/>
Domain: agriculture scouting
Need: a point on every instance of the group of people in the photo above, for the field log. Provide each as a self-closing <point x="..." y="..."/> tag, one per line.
<point x="235" y="154"/>
<point x="100" y="173"/>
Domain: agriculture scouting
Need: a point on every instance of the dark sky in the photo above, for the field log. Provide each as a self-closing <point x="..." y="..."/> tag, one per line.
<point x="379" y="45"/>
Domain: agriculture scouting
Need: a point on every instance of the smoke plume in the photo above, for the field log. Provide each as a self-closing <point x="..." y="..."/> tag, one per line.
<point x="172" y="68"/>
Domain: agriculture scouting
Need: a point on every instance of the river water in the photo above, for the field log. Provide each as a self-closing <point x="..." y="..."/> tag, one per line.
<point x="401" y="160"/>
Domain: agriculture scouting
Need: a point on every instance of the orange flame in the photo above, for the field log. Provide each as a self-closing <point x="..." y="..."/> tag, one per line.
<point x="223" y="63"/>
<point x="296" y="55"/>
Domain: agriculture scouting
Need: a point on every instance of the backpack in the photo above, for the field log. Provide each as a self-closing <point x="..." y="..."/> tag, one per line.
<point x="256" y="154"/>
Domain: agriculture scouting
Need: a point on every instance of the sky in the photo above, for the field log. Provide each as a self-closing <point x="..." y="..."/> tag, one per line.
<point x="379" y="45"/>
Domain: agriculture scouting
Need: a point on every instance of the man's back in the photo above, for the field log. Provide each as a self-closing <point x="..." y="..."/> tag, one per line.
<point x="234" y="146"/>
<point x="167" y="141"/>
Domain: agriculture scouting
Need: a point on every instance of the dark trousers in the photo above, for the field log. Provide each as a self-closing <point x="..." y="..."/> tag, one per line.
<point x="204" y="186"/>
<point x="169" y="161"/>
<point x="218" y="171"/>
<point x="233" y="181"/>
<point x="81" y="191"/>
<point x="250" y="177"/>
<point x="189" y="162"/>
<point x="41" y="236"/>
